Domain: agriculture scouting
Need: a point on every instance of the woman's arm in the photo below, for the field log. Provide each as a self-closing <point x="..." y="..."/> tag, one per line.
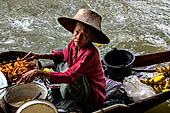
<point x="50" y="56"/>
<point x="31" y="56"/>
<point x="31" y="75"/>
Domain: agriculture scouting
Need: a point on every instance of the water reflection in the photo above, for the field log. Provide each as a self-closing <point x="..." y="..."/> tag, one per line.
<point x="141" y="26"/>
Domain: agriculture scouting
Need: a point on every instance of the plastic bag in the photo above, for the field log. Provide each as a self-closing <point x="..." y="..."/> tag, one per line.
<point x="136" y="89"/>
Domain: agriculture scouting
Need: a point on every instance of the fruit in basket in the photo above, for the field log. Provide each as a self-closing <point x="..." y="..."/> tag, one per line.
<point x="13" y="71"/>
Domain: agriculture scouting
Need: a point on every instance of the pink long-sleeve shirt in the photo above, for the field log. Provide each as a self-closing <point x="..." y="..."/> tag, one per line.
<point x="86" y="62"/>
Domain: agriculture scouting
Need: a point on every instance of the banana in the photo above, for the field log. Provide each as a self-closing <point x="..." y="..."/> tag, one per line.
<point x="167" y="85"/>
<point x="159" y="83"/>
<point x="163" y="69"/>
<point x="165" y="90"/>
<point x="159" y="78"/>
<point x="157" y="88"/>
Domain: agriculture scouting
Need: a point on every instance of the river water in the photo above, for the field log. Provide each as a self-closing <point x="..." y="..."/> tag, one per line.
<point x="140" y="26"/>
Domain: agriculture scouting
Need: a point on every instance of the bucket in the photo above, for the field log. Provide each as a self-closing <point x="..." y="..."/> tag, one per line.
<point x="18" y="95"/>
<point x="118" y="64"/>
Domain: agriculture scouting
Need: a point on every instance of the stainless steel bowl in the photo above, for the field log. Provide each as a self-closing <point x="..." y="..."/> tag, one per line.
<point x="18" y="95"/>
<point x="37" y="106"/>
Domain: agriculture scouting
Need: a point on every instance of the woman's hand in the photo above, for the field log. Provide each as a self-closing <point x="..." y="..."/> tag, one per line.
<point x="28" y="76"/>
<point x="31" y="56"/>
<point x="31" y="75"/>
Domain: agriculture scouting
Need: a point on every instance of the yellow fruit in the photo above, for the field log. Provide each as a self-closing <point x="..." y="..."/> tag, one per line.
<point x="165" y="90"/>
<point x="167" y="85"/>
<point x="157" y="88"/>
<point x="97" y="44"/>
<point x="159" y="78"/>
<point x="47" y="70"/>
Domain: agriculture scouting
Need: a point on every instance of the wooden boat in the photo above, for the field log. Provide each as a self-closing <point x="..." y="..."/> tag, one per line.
<point x="145" y="104"/>
<point x="148" y="103"/>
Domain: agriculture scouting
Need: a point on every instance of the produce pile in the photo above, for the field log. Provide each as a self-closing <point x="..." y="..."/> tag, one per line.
<point x="160" y="82"/>
<point x="14" y="70"/>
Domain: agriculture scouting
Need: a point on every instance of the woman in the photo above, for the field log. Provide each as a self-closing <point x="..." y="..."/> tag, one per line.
<point x="81" y="55"/>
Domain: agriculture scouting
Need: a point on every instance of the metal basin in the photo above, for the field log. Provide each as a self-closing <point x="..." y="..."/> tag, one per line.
<point x="18" y="95"/>
<point x="37" y="106"/>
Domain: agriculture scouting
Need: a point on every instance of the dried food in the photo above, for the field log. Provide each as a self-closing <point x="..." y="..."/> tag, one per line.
<point x="13" y="71"/>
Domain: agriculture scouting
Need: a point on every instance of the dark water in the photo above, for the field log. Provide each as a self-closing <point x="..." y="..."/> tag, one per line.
<point x="140" y="26"/>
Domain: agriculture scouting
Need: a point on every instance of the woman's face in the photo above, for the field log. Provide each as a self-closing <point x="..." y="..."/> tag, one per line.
<point x="82" y="35"/>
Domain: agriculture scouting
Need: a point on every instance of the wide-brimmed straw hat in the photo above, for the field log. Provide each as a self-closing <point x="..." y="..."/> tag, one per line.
<point x="89" y="18"/>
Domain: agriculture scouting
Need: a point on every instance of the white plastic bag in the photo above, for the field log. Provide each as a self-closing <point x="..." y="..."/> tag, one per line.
<point x="136" y="89"/>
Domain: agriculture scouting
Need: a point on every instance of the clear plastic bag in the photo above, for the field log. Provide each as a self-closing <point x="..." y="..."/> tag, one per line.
<point x="136" y="89"/>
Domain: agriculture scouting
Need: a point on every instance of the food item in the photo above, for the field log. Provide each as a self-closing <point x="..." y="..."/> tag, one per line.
<point x="13" y="71"/>
<point x="163" y="69"/>
<point x="98" y="44"/>
<point x="159" y="83"/>
<point x="167" y="86"/>
<point x="159" y="78"/>
<point x="47" y="70"/>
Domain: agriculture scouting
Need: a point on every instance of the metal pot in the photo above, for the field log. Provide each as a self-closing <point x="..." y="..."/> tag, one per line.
<point x="37" y="106"/>
<point x="17" y="95"/>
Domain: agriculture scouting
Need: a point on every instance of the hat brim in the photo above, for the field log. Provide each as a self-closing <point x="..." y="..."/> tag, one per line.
<point x="70" y="23"/>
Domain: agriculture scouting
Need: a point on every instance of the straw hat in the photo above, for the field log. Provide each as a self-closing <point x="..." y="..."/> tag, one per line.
<point x="89" y="18"/>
